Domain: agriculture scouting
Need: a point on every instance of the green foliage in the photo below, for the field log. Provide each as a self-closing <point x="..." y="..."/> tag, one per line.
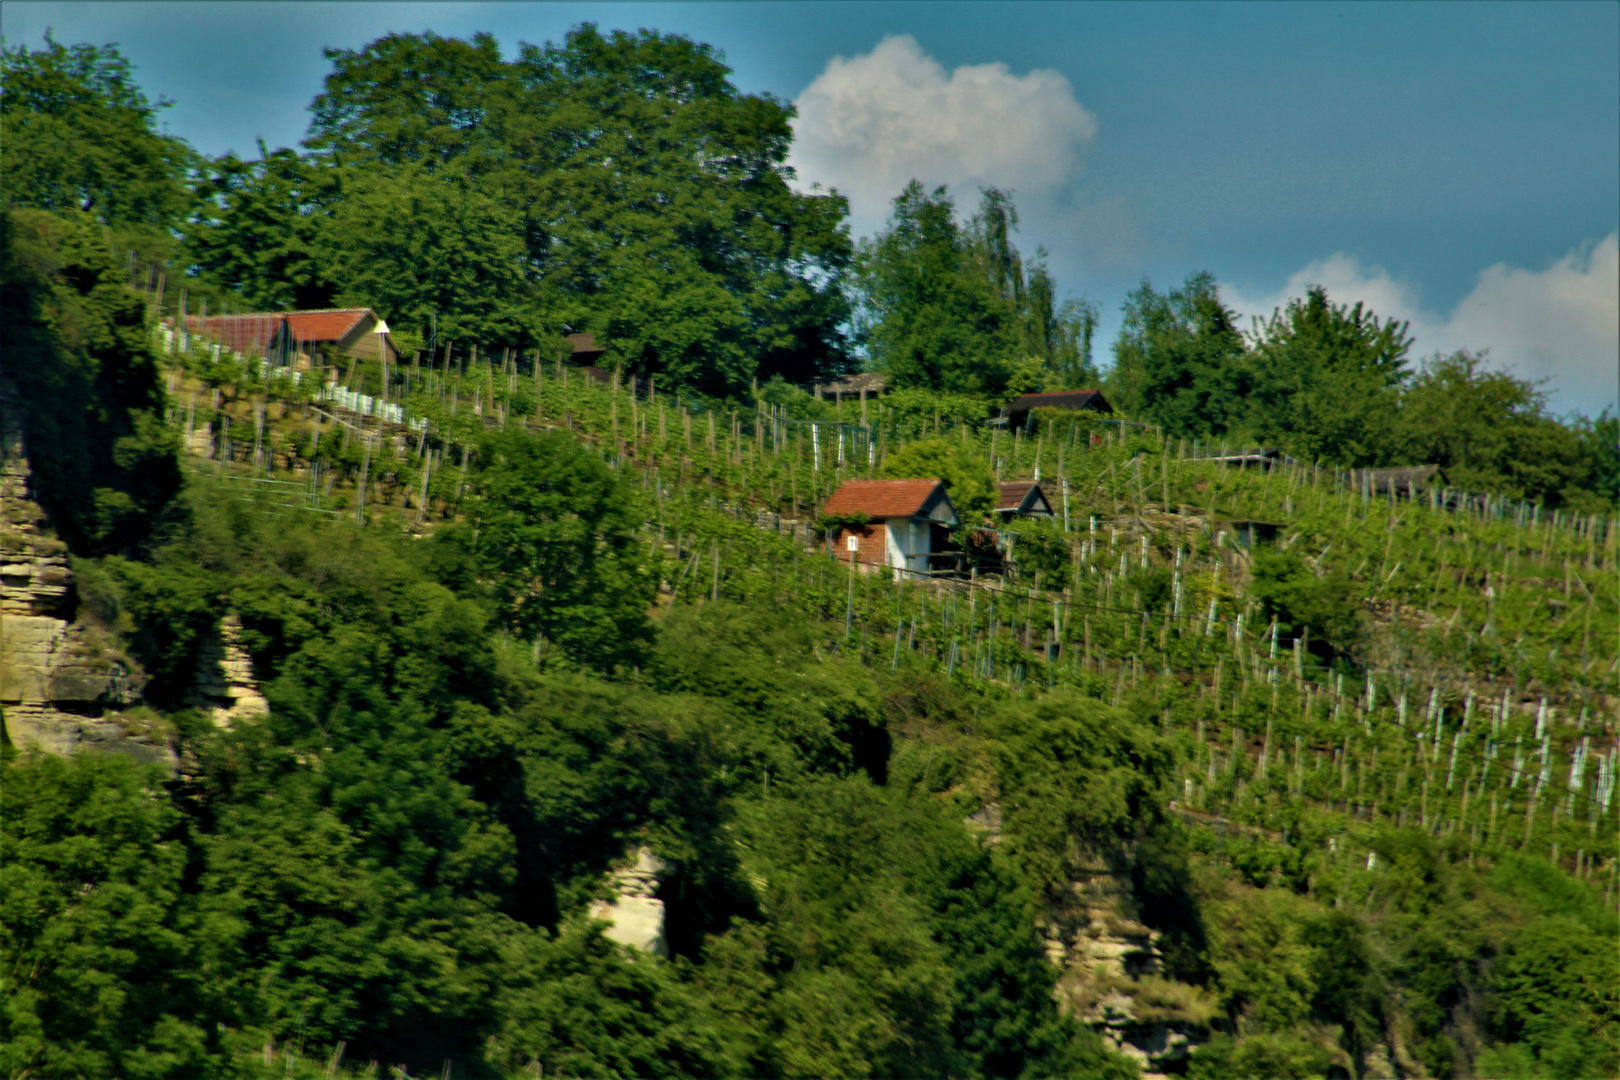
<point x="80" y="136"/>
<point x="1037" y="547"/>
<point x="1154" y="587"/>
<point x="913" y="413"/>
<point x="945" y="306"/>
<point x="967" y="476"/>
<point x="1327" y="382"/>
<point x="1265" y="966"/>
<point x="1557" y="972"/>
<point x="257" y="230"/>
<point x="1180" y="360"/>
<point x="1276" y="1056"/>
<point x="414" y="244"/>
<point x="1320" y="607"/>
<point x="792" y="402"/>
<point x="104" y="459"/>
<point x="699" y="267"/>
<point x="554" y="533"/>
<point x="108" y="973"/>
<point x="1077" y="777"/>
<point x="785" y="715"/>
<point x="1491" y="432"/>
<point x="932" y="321"/>
<point x="580" y="1007"/>
<point x="174" y="603"/>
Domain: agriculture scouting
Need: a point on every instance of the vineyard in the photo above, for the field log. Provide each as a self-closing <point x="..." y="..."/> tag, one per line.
<point x="462" y="614"/>
<point x="1477" y="701"/>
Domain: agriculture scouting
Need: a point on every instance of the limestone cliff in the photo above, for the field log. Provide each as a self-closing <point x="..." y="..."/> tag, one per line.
<point x="225" y="686"/>
<point x="1112" y="977"/>
<point x="66" y="685"/>
<point x="62" y="686"/>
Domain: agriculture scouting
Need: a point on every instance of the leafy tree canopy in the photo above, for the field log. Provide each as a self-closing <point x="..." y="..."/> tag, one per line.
<point x="78" y="134"/>
<point x="1491" y="431"/>
<point x="617" y="183"/>
<point x="553" y="534"/>
<point x="944" y="305"/>
<point x="1327" y="381"/>
<point x="1180" y="361"/>
<point x="78" y="348"/>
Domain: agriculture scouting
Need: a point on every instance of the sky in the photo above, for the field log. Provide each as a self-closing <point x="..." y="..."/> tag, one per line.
<point x="1453" y="165"/>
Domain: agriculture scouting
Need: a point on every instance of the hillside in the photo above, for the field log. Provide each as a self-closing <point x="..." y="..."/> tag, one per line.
<point x="1328" y="802"/>
<point x="427" y="647"/>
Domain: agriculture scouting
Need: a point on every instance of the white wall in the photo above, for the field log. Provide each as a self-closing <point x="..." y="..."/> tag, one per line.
<point x="907" y="536"/>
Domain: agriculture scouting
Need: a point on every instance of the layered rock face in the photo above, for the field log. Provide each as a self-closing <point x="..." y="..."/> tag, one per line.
<point x="61" y="687"/>
<point x="64" y="684"/>
<point x="225" y="687"/>
<point x="1112" y="974"/>
<point x="1111" y="966"/>
<point x="635" y="914"/>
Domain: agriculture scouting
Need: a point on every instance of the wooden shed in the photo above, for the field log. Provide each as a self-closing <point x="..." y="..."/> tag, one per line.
<point x="866" y="384"/>
<point x="1022" y="498"/>
<point x="1016" y="414"/>
<point x="905" y="522"/>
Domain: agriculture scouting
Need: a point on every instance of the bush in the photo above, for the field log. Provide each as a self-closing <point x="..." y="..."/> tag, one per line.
<point x="1322" y="607"/>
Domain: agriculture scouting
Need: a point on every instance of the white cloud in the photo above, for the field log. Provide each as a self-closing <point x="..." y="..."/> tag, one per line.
<point x="1561" y="324"/>
<point x="870" y="124"/>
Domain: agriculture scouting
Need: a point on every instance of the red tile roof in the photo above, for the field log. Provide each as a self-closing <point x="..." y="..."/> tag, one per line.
<point x="880" y="499"/>
<point x="254" y="331"/>
<point x="247" y="334"/>
<point x="331" y="325"/>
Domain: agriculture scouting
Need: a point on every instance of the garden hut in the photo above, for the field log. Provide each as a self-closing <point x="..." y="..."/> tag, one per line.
<point x="1017" y="414"/>
<point x="896" y="523"/>
<point x="1022" y="498"/>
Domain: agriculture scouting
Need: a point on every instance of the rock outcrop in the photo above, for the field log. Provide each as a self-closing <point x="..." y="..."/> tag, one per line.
<point x="225" y="686"/>
<point x="62" y="686"/>
<point x="634" y="913"/>
<point x="1112" y="974"/>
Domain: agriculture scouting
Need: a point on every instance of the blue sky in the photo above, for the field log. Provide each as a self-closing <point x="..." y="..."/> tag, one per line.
<point x="1457" y="165"/>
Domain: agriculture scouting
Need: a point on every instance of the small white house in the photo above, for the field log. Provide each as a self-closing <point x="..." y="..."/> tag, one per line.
<point x="895" y="523"/>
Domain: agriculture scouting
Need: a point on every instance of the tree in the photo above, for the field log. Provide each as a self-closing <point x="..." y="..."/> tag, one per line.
<point x="425" y="249"/>
<point x="1180" y="361"/>
<point x="257" y="230"/>
<point x="642" y="182"/>
<point x="412" y="99"/>
<point x="105" y="462"/>
<point x="1054" y="340"/>
<point x="78" y="134"/>
<point x="106" y="966"/>
<point x="556" y="534"/>
<point x="1327" y="380"/>
<point x="930" y="317"/>
<point x="1491" y="432"/>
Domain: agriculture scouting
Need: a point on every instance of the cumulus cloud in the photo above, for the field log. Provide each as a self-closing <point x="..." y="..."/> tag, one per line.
<point x="870" y="124"/>
<point x="1560" y="324"/>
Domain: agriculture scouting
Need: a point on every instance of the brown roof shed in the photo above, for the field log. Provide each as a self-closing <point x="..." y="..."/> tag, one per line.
<point x="1022" y="498"/>
<point x="1017" y="412"/>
